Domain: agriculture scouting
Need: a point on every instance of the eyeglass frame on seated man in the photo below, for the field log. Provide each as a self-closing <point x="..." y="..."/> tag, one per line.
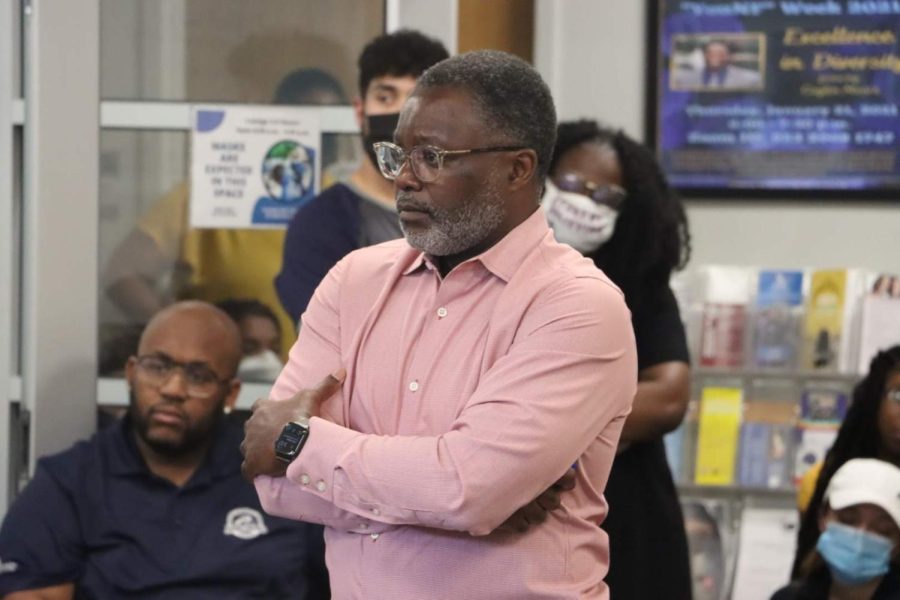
<point x="160" y="378"/>
<point x="440" y="152"/>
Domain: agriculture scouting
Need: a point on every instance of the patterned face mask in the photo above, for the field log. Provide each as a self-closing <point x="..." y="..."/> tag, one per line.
<point x="577" y="220"/>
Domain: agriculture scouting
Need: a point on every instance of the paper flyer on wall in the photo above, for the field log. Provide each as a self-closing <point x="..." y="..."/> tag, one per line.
<point x="252" y="166"/>
<point x="725" y="292"/>
<point x="717" y="441"/>
<point x="768" y="538"/>
<point x="880" y="326"/>
<point x="822" y="409"/>
<point x="831" y="327"/>
<point x="711" y="542"/>
<point x="765" y="456"/>
<point x="779" y="302"/>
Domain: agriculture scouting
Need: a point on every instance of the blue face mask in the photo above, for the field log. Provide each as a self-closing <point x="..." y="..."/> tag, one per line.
<point x="854" y="556"/>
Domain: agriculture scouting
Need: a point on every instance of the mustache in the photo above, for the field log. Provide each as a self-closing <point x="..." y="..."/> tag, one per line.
<point x="406" y="201"/>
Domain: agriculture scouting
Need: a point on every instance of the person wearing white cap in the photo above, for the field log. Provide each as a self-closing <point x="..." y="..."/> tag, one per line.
<point x="871" y="429"/>
<point x="856" y="554"/>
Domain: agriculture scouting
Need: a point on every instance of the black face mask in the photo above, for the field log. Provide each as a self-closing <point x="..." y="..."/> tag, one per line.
<point x="380" y="129"/>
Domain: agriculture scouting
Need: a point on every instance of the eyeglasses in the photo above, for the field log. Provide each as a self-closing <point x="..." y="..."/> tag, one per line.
<point x="609" y="194"/>
<point x="893" y="395"/>
<point x="426" y="161"/>
<point x="200" y="381"/>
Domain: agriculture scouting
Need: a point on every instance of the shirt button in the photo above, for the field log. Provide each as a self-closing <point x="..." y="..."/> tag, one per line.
<point x="374" y="536"/>
<point x="376" y="512"/>
<point x="441" y="312"/>
<point x="320" y="485"/>
<point x="304" y="479"/>
<point x="413" y="386"/>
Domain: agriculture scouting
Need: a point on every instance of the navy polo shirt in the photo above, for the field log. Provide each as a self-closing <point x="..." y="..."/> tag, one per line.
<point x="95" y="515"/>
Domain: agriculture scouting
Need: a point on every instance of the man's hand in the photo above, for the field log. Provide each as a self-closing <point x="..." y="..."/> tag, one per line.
<point x="270" y="416"/>
<point x="535" y="512"/>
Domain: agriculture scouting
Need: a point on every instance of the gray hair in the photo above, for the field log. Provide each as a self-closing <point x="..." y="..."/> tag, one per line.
<point x="513" y="99"/>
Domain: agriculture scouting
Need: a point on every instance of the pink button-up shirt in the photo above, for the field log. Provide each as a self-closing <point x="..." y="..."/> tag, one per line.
<point x="465" y="398"/>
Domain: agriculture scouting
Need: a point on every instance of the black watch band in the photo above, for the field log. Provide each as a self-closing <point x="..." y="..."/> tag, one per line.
<point x="291" y="441"/>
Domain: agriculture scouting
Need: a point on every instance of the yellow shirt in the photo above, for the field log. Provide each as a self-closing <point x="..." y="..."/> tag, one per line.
<point x="219" y="263"/>
<point x="808" y="486"/>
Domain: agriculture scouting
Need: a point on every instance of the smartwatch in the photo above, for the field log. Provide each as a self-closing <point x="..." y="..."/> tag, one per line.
<point x="290" y="442"/>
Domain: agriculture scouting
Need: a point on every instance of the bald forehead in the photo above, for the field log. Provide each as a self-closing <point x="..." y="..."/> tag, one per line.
<point x="194" y="332"/>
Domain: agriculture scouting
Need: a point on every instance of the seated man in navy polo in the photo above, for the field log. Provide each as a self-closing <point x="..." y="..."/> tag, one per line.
<point x="154" y="506"/>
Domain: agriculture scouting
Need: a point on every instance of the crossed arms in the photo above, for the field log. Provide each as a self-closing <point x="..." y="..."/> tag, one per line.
<point x="567" y="379"/>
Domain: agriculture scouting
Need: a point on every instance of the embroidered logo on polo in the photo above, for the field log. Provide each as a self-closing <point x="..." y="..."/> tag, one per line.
<point x="245" y="523"/>
<point x="8" y="566"/>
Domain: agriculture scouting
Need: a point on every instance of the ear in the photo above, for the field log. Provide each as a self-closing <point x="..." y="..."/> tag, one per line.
<point x="358" y="112"/>
<point x="524" y="169"/>
<point x="234" y="389"/>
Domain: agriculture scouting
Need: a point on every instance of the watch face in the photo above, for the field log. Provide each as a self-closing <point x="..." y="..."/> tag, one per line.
<point x="286" y="445"/>
<point x="291" y="440"/>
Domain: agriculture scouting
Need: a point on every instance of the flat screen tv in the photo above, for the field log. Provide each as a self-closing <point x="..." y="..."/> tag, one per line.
<point x="765" y="97"/>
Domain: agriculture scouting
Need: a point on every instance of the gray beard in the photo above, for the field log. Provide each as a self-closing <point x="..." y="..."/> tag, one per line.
<point x="458" y="229"/>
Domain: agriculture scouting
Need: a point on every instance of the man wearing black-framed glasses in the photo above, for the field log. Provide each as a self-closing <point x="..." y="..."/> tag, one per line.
<point x="471" y="365"/>
<point x="154" y="506"/>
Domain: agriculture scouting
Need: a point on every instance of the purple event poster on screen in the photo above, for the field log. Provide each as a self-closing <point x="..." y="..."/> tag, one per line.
<point x="779" y="95"/>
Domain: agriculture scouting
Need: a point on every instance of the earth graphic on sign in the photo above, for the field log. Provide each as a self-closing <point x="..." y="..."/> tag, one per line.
<point x="287" y="171"/>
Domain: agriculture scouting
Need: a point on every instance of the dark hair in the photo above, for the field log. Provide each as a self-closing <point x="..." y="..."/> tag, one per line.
<point x="240" y="308"/>
<point x="300" y="86"/>
<point x="515" y="103"/>
<point x="728" y="45"/>
<point x="651" y="238"/>
<point x="858" y="437"/>
<point x="399" y="54"/>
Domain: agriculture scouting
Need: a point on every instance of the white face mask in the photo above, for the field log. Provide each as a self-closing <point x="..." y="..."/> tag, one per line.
<point x="577" y="220"/>
<point x="265" y="366"/>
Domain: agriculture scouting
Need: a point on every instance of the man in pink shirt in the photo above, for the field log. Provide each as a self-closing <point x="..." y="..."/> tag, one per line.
<point x="472" y="364"/>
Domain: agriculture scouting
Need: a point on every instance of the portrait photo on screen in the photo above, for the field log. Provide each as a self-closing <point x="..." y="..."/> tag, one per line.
<point x="718" y="62"/>
<point x="751" y="98"/>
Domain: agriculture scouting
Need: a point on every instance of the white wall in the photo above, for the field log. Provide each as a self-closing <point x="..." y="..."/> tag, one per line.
<point x="436" y="18"/>
<point x="592" y="53"/>
<point x="785" y="233"/>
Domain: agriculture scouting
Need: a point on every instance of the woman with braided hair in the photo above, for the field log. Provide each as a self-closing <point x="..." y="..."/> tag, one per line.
<point x="871" y="429"/>
<point x="607" y="197"/>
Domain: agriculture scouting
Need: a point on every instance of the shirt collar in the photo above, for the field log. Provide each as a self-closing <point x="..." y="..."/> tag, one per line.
<point x="503" y="258"/>
<point x="122" y="451"/>
<point x="417" y="263"/>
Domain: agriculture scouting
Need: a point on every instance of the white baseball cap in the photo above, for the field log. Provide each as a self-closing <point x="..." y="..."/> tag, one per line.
<point x="866" y="481"/>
